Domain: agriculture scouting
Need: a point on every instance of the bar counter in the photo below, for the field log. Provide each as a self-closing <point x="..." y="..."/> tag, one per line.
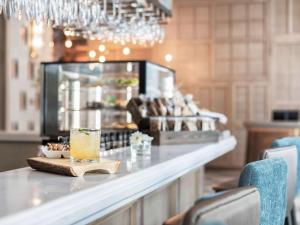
<point x="31" y="197"/>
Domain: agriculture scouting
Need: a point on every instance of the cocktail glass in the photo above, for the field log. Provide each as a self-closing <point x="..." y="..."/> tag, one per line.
<point x="84" y="145"/>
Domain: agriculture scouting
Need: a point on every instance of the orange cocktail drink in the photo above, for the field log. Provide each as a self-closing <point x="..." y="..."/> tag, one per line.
<point x="84" y="145"/>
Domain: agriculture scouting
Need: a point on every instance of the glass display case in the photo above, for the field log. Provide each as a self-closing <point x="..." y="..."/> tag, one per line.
<point x="95" y="95"/>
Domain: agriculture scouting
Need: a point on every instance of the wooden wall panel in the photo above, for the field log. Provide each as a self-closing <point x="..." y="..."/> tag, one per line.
<point x="226" y="67"/>
<point x="240" y="104"/>
<point x="203" y="96"/>
<point x="222" y="12"/>
<point x="222" y="30"/>
<point x="256" y="11"/>
<point x="280" y="15"/>
<point x="259" y="103"/>
<point x="221" y="99"/>
<point x="238" y="159"/>
<point x="202" y="22"/>
<point x="296" y="16"/>
<point x="246" y="28"/>
<point x="222" y="54"/>
<point x="282" y="73"/>
<point x="202" y="60"/>
<point x="194" y="22"/>
<point x="186" y="29"/>
<point x="286" y="73"/>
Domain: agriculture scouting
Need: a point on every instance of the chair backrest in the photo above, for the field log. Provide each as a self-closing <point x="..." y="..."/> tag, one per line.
<point x="289" y="141"/>
<point x="234" y="207"/>
<point x="290" y="155"/>
<point x="269" y="176"/>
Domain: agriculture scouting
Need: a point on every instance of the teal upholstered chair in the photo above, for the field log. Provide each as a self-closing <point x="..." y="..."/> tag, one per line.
<point x="291" y="141"/>
<point x="289" y="153"/>
<point x="269" y="176"/>
<point x="288" y="141"/>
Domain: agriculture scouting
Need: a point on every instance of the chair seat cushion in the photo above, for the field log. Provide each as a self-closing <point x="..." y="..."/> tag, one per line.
<point x="234" y="207"/>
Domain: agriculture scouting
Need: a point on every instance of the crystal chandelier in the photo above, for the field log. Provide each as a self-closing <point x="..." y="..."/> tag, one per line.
<point x="124" y="21"/>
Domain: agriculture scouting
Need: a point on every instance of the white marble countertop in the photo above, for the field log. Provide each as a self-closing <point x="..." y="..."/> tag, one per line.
<point x="32" y="197"/>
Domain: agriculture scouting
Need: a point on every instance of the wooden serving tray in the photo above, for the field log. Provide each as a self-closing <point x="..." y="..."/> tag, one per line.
<point x="65" y="167"/>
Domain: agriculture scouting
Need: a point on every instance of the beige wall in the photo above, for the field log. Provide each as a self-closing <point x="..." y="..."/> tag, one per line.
<point x="238" y="57"/>
<point x="23" y="77"/>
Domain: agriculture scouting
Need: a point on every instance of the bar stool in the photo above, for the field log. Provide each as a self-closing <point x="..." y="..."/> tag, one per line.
<point x="269" y="176"/>
<point x="292" y="141"/>
<point x="239" y="206"/>
<point x="290" y="155"/>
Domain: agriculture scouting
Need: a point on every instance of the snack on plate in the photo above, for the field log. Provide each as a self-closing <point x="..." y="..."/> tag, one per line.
<point x="58" y="147"/>
<point x="55" y="151"/>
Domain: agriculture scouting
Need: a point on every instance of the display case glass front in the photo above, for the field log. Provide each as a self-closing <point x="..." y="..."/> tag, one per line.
<point x="95" y="95"/>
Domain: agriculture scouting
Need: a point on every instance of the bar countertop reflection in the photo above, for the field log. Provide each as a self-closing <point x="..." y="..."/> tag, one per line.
<point x="32" y="197"/>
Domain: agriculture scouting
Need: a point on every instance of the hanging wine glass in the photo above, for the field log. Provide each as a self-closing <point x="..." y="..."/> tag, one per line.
<point x="106" y="20"/>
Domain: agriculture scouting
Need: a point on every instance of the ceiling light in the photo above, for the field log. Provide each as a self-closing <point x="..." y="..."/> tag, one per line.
<point x="37" y="29"/>
<point x="51" y="44"/>
<point x="92" y="54"/>
<point x="68" y="44"/>
<point x="129" y="67"/>
<point x="102" y="59"/>
<point x="126" y="51"/>
<point x="168" y="57"/>
<point x="102" y="48"/>
<point x="37" y="42"/>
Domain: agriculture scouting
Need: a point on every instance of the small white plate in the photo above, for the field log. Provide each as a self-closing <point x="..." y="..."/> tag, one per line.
<point x="54" y="154"/>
